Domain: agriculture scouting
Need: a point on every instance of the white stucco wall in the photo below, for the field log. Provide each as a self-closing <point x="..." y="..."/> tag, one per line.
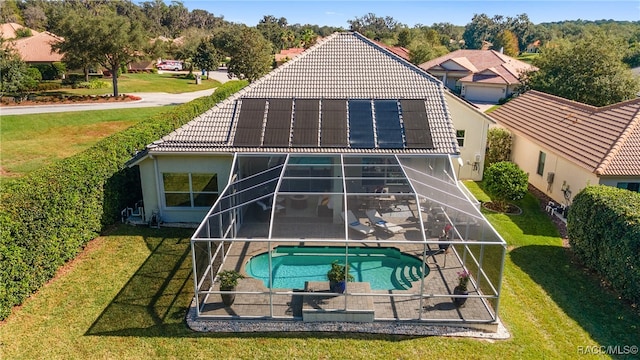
<point x="476" y="124"/>
<point x="151" y="170"/>
<point x="525" y="155"/>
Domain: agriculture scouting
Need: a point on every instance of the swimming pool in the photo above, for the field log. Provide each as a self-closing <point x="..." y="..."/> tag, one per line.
<point x="384" y="268"/>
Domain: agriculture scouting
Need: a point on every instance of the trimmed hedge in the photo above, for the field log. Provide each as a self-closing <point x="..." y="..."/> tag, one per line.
<point x="48" y="216"/>
<point x="603" y="225"/>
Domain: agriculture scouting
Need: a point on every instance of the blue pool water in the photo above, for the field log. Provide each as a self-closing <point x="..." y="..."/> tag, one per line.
<point x="383" y="268"/>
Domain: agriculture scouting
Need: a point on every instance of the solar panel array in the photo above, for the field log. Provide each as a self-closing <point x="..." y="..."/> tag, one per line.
<point x="341" y="123"/>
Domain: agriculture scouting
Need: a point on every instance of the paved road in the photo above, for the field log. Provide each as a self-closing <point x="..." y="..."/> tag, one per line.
<point x="148" y="100"/>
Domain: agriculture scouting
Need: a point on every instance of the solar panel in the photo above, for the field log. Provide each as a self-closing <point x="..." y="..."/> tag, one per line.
<point x="334" y="105"/>
<point x="361" y="124"/>
<point x="250" y="120"/>
<point x="412" y="105"/>
<point x="390" y="140"/>
<point x="305" y="123"/>
<point x="416" y="125"/>
<point x="278" y="126"/>
<point x="333" y="138"/>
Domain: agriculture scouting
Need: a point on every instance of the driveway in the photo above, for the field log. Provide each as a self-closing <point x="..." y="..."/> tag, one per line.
<point x="148" y="100"/>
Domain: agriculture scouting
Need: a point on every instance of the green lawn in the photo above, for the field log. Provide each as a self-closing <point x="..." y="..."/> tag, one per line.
<point x="32" y="141"/>
<point x="134" y="83"/>
<point x="127" y="294"/>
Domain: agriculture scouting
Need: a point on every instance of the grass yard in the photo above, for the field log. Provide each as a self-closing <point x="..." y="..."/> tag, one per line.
<point x="135" y="83"/>
<point x="32" y="141"/>
<point x="127" y="294"/>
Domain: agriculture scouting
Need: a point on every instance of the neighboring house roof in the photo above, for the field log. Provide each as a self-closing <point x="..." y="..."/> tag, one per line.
<point x="8" y="30"/>
<point x="37" y="48"/>
<point x="604" y="140"/>
<point x="487" y="66"/>
<point x="398" y="50"/>
<point x="344" y="66"/>
<point x="288" y="54"/>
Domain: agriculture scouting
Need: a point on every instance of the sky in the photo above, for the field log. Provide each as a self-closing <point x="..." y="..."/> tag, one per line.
<point x="412" y="12"/>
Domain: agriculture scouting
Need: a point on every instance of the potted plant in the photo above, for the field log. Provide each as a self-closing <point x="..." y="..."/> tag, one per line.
<point x="461" y="289"/>
<point x="228" y="282"/>
<point x="338" y="276"/>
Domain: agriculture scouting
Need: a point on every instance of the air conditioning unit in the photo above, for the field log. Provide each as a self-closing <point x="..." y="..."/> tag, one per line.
<point x="550" y="177"/>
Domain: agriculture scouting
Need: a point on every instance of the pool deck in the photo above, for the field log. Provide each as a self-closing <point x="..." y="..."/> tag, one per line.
<point x="389" y="305"/>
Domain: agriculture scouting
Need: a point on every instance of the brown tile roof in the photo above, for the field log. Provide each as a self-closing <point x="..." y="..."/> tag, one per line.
<point x="8" y="30"/>
<point x="288" y="54"/>
<point x="37" y="48"/>
<point x="604" y="140"/>
<point x="398" y="50"/>
<point x="489" y="63"/>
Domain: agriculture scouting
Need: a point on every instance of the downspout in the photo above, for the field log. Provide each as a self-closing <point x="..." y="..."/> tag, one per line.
<point x="158" y="192"/>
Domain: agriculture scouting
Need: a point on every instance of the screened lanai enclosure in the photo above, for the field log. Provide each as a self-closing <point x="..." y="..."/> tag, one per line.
<point x="404" y="225"/>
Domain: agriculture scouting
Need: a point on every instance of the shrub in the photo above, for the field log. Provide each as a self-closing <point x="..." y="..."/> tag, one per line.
<point x="505" y="181"/>
<point x="47" y="86"/>
<point x="34" y="73"/>
<point x="603" y="226"/>
<point x="47" y="216"/>
<point x="498" y="146"/>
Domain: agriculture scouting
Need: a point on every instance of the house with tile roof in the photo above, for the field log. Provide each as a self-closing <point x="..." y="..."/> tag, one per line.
<point x="8" y="30"/>
<point x="564" y="145"/>
<point x="346" y="144"/>
<point x="287" y="54"/>
<point x="478" y="75"/>
<point x="37" y="49"/>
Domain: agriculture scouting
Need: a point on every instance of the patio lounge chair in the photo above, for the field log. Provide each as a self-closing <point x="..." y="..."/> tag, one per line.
<point x="382" y="224"/>
<point x="355" y="224"/>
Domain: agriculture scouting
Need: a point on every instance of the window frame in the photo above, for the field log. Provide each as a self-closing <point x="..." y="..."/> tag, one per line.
<point x="193" y="194"/>
<point x="460" y="139"/>
<point x="542" y="157"/>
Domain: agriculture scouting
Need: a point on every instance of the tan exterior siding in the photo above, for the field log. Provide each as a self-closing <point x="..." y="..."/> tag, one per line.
<point x="151" y="170"/>
<point x="525" y="155"/>
<point x="475" y="124"/>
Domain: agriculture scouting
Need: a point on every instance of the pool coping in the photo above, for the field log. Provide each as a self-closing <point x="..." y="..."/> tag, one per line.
<point x="377" y="327"/>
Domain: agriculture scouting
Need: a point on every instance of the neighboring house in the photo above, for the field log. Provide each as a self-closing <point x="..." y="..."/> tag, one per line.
<point x="534" y="47"/>
<point x="287" y="54"/>
<point x="398" y="50"/>
<point x="471" y="126"/>
<point x="564" y="145"/>
<point x="37" y="49"/>
<point x="478" y="75"/>
<point x="344" y="132"/>
<point x="8" y="30"/>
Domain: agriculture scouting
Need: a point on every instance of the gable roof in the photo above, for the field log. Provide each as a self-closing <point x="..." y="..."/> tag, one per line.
<point x="37" y="48"/>
<point x="604" y="140"/>
<point x="8" y="30"/>
<point x="342" y="69"/>
<point x="504" y="69"/>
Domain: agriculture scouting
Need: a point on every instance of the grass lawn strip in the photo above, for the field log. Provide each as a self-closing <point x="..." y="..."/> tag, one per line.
<point x="126" y="298"/>
<point x="33" y="141"/>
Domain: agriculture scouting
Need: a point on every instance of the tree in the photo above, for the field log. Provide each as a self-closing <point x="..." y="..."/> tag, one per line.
<point x="252" y="55"/>
<point x="34" y="18"/>
<point x="589" y="70"/>
<point x="375" y="27"/>
<point x="77" y="49"/>
<point x="505" y="181"/>
<point x="481" y="28"/>
<point x="15" y="77"/>
<point x="207" y="57"/>
<point x="498" y="146"/>
<point x="508" y="42"/>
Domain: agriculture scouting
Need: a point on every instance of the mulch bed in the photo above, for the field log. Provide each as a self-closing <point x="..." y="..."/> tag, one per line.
<point x="72" y="99"/>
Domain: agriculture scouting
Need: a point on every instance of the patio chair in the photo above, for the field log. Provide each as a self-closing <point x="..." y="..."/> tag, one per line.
<point x="355" y="224"/>
<point x="382" y="224"/>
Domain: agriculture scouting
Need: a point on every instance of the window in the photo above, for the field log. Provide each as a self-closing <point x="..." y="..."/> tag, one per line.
<point x="541" y="158"/>
<point x="460" y="137"/>
<point x="190" y="190"/>
<point x="629" y="186"/>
